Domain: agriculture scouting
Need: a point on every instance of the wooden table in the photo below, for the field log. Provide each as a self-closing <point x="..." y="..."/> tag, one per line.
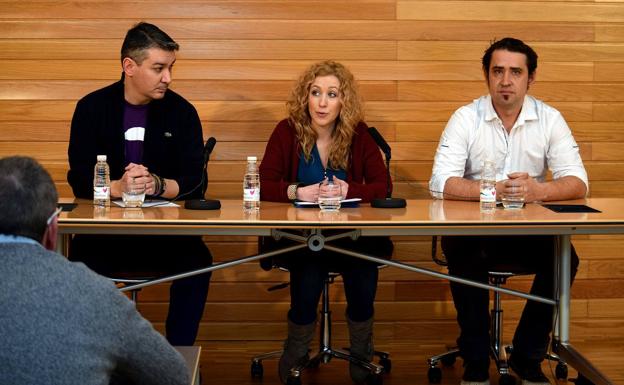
<point x="191" y="357"/>
<point x="420" y="217"/>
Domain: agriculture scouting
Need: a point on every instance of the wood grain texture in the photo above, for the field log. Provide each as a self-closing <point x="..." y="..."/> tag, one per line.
<point x="292" y="28"/>
<point x="565" y="11"/>
<point x="55" y="69"/>
<point x="380" y="9"/>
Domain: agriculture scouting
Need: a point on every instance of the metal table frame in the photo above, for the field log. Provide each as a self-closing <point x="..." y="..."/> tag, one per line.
<point x="315" y="240"/>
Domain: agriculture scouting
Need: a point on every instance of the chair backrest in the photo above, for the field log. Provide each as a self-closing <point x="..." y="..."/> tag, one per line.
<point x="440" y="260"/>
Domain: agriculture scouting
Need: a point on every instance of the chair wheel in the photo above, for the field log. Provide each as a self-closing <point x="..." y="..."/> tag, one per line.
<point x="507" y="379"/>
<point x="582" y="380"/>
<point x="386" y="363"/>
<point x="313" y="364"/>
<point x="293" y="380"/>
<point x="434" y="375"/>
<point x="561" y="371"/>
<point x="256" y="369"/>
<point x="448" y="360"/>
<point x="374" y="379"/>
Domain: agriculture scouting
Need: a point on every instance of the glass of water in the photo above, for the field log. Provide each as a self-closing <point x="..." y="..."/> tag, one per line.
<point x="133" y="194"/>
<point x="330" y="196"/>
<point x="513" y="199"/>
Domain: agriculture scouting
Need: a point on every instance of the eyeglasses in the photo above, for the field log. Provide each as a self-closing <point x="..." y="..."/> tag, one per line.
<point x="54" y="215"/>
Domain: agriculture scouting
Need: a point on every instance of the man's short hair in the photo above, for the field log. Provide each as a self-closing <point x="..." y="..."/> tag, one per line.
<point x="27" y="197"/>
<point x="142" y="37"/>
<point x="512" y="45"/>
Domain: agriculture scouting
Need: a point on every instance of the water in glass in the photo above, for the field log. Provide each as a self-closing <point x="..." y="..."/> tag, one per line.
<point x="329" y="197"/>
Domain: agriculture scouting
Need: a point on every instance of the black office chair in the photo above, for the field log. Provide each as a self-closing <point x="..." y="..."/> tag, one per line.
<point x="325" y="352"/>
<point x="497" y="277"/>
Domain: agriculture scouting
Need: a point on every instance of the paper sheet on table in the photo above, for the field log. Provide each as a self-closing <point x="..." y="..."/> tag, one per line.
<point x="150" y="203"/>
<point x="345" y="202"/>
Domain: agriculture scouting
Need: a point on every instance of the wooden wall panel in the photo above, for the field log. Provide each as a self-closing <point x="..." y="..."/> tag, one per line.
<point x="284" y="9"/>
<point x="284" y="70"/>
<point x="567" y="11"/>
<point x="417" y="62"/>
<point x="444" y="30"/>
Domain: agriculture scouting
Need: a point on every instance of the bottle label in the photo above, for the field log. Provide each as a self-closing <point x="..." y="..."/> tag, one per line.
<point x="488" y="194"/>
<point x="251" y="194"/>
<point x="101" y="192"/>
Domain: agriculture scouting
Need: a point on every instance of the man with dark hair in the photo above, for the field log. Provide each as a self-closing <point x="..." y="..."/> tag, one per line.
<point x="152" y="138"/>
<point x="524" y="137"/>
<point x="59" y="322"/>
<point x="142" y="37"/>
<point x="511" y="45"/>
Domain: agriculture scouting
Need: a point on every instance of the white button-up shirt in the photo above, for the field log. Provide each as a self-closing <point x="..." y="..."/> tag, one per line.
<point x="539" y="140"/>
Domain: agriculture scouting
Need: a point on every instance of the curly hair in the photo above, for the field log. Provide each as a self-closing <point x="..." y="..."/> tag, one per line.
<point x="351" y="112"/>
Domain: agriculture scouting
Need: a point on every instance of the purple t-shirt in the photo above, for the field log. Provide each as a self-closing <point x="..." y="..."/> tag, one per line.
<point x="134" y="122"/>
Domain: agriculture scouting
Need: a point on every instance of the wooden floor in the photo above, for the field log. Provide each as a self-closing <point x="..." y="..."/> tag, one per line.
<point x="229" y="363"/>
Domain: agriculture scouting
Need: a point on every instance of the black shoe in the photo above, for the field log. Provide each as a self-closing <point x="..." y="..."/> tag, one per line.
<point x="530" y="371"/>
<point x="476" y="372"/>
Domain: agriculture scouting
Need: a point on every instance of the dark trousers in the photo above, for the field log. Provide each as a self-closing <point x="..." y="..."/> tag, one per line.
<point x="309" y="269"/>
<point x="127" y="256"/>
<point x="471" y="257"/>
<point x="307" y="274"/>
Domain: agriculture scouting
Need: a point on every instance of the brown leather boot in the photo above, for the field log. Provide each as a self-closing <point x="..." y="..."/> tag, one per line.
<point x="361" y="335"/>
<point x="295" y="348"/>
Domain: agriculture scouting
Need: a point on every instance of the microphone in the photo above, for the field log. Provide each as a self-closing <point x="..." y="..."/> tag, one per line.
<point x="388" y="202"/>
<point x="210" y="144"/>
<point x="204" y="204"/>
<point x="381" y="142"/>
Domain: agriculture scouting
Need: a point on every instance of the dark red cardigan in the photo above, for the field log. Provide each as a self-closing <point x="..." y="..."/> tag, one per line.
<point x="366" y="175"/>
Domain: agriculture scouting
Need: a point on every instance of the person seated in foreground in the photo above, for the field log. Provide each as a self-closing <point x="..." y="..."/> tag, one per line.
<point x="60" y="323"/>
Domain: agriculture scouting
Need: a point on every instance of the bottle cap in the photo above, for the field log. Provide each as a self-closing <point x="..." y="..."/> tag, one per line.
<point x="101" y="158"/>
<point x="251" y="159"/>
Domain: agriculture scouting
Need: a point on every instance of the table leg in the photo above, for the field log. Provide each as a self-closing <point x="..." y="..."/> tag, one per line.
<point x="561" y="342"/>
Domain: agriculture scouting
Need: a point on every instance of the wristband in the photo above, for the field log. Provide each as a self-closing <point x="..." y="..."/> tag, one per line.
<point x="292" y="191"/>
<point x="159" y="185"/>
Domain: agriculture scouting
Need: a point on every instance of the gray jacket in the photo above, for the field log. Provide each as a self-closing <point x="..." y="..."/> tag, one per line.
<point x="60" y="323"/>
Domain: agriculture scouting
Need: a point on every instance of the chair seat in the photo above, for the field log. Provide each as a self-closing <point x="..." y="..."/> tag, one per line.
<point x="508" y="270"/>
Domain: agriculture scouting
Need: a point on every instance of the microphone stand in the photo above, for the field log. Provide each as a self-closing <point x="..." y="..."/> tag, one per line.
<point x="388" y="202"/>
<point x="203" y="203"/>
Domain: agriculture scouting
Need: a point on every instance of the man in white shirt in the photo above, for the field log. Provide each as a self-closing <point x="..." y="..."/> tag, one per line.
<point x="525" y="138"/>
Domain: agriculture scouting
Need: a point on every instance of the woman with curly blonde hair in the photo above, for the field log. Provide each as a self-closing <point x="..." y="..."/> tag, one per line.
<point x="325" y="141"/>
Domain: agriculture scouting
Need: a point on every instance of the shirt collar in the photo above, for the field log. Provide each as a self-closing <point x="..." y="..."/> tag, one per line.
<point x="528" y="112"/>
<point x="7" y="238"/>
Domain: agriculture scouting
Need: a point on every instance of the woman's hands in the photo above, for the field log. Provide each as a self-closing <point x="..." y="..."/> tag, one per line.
<point x="311" y="193"/>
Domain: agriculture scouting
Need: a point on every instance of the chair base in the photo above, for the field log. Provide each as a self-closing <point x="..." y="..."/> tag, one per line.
<point x="449" y="357"/>
<point x="499" y="352"/>
<point x="325" y="355"/>
<point x="326" y="352"/>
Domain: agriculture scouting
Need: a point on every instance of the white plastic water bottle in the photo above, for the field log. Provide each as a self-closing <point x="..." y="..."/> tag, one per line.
<point x="251" y="185"/>
<point x="487" y="196"/>
<point x="101" y="182"/>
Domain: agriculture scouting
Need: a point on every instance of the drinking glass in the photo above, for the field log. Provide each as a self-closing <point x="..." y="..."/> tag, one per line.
<point x="514" y="199"/>
<point x="133" y="194"/>
<point x="329" y="197"/>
